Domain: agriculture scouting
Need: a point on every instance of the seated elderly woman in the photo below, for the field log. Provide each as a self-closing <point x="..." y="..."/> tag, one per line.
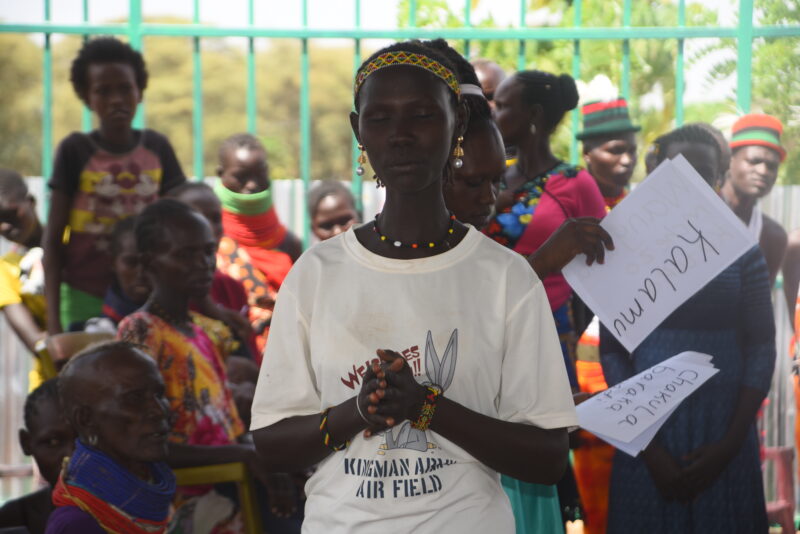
<point x="116" y="480"/>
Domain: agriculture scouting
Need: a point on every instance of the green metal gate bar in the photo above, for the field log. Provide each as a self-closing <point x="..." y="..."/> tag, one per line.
<point x="523" y="11"/>
<point x="251" y="72"/>
<point x="357" y="181"/>
<point x="305" y="125"/>
<point x="626" y="51"/>
<point x="576" y="74"/>
<point x="472" y="33"/>
<point x="744" y="84"/>
<point x="135" y="29"/>
<point x="86" y="115"/>
<point x="197" y="96"/>
<point x="47" y="103"/>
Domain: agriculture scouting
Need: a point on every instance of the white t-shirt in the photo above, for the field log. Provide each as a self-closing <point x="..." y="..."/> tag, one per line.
<point x="474" y="319"/>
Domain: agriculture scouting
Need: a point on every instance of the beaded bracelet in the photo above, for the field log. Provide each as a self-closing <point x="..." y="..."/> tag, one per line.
<point x="326" y="436"/>
<point x="428" y="408"/>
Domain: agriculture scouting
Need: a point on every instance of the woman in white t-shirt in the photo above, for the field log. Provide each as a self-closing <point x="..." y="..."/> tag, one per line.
<point x="474" y="384"/>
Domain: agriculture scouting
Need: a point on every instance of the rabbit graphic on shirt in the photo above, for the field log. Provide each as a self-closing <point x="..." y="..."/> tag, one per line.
<point x="439" y="372"/>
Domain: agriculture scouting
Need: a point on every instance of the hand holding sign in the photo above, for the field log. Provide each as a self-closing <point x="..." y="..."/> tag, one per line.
<point x="629" y="415"/>
<point x="672" y="235"/>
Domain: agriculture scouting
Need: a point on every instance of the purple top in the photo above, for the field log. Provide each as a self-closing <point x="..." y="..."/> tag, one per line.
<point x="72" y="520"/>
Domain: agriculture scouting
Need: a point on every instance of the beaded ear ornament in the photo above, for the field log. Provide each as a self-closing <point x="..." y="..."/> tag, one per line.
<point x="362" y="160"/>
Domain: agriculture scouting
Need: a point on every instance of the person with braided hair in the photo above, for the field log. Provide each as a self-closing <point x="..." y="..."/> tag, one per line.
<point x="412" y="439"/>
<point x="702" y="471"/>
<point x="698" y="145"/>
<point x="540" y="192"/>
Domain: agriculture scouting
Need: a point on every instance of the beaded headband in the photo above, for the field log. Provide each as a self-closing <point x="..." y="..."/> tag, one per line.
<point x="391" y="59"/>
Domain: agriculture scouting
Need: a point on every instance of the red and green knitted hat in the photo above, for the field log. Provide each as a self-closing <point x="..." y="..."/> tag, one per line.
<point x="759" y="130"/>
<point x="603" y="118"/>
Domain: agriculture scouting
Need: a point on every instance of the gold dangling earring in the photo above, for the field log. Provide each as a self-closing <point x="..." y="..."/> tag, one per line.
<point x="362" y="159"/>
<point x="458" y="153"/>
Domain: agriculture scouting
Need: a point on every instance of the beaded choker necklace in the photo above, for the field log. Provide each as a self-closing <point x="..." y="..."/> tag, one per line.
<point x="400" y="244"/>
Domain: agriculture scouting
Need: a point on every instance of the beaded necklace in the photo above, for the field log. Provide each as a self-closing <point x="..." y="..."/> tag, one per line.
<point x="508" y="226"/>
<point x="611" y="202"/>
<point x="399" y="244"/>
<point x="112" y="495"/>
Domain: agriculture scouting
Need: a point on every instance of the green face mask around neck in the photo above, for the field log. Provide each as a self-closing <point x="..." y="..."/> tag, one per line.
<point x="244" y="204"/>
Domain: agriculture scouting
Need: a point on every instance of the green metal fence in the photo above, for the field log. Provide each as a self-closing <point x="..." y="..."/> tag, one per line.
<point x="135" y="29"/>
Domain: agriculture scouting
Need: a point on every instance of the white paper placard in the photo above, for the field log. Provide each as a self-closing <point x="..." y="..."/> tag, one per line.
<point x="672" y="235"/>
<point x="629" y="414"/>
<point x="640" y="442"/>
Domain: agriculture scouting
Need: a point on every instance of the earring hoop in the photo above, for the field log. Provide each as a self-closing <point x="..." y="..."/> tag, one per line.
<point x="92" y="439"/>
<point x="362" y="159"/>
<point x="458" y="153"/>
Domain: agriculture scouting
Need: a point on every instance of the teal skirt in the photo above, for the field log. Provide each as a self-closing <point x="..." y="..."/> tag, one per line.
<point x="535" y="506"/>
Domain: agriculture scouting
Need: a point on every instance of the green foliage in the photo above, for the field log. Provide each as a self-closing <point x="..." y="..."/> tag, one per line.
<point x="169" y="100"/>
<point x="775" y="76"/>
<point x="20" y="104"/>
<point x="776" y="80"/>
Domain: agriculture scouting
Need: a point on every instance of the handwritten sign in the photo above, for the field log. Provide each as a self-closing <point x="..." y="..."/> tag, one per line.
<point x="630" y="414"/>
<point x="672" y="235"/>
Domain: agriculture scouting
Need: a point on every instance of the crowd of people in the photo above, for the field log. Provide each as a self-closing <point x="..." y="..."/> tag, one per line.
<point x="416" y="372"/>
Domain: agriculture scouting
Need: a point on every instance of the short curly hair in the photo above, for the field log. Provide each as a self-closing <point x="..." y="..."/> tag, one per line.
<point x="105" y="50"/>
<point x="239" y="140"/>
<point x="47" y="390"/>
<point x="12" y="185"/>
